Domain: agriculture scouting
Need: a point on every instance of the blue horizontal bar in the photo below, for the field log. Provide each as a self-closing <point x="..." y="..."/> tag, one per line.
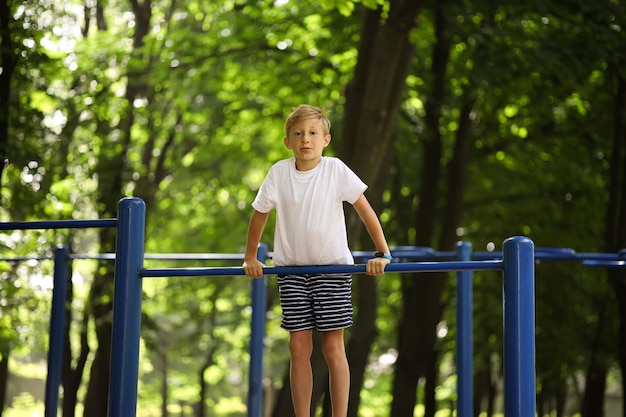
<point x="96" y="256"/>
<point x="168" y="256"/>
<point x="601" y="256"/>
<point x="546" y="254"/>
<point x="403" y="252"/>
<point x="325" y="269"/>
<point x="604" y="263"/>
<point x="148" y="256"/>
<point x="58" y="224"/>
<point x="542" y="254"/>
<point x="556" y="254"/>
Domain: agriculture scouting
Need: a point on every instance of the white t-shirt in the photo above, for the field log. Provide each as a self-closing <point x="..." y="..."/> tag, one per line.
<point x="310" y="220"/>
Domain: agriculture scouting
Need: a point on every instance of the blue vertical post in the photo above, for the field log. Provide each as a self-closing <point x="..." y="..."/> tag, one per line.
<point x="518" y="257"/>
<point x="464" y="343"/>
<point x="57" y="325"/>
<point x="257" y="334"/>
<point x="129" y="253"/>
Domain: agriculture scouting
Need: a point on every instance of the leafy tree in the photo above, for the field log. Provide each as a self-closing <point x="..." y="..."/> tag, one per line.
<point x="469" y="120"/>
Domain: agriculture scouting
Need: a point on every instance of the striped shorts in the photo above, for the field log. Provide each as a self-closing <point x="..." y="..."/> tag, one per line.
<point x="315" y="301"/>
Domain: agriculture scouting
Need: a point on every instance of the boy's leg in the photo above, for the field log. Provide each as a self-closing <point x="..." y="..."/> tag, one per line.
<point x="300" y="373"/>
<point x="338" y="369"/>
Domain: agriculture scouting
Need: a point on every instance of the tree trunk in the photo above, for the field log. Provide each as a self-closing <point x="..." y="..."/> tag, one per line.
<point x="430" y="387"/>
<point x="71" y="377"/>
<point x="284" y="406"/>
<point x="111" y="173"/>
<point x="618" y="278"/>
<point x="482" y="382"/>
<point x="96" y="399"/>
<point x="593" y="402"/>
<point x="421" y="310"/>
<point x="491" y="400"/>
<point x="373" y="100"/>
<point x="422" y="292"/>
<point x="203" y="391"/>
<point x="110" y="170"/>
<point x="4" y="377"/>
<point x="164" y="383"/>
<point x="615" y="238"/>
<point x="616" y="221"/>
<point x="541" y="399"/>
<point x="210" y="361"/>
<point x="8" y="60"/>
<point x="560" y="397"/>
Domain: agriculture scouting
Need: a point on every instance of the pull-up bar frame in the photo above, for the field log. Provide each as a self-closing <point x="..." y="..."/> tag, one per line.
<point x="517" y="265"/>
<point x="516" y="262"/>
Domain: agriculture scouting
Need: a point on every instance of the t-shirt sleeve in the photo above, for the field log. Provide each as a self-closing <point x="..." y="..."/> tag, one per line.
<point x="265" y="200"/>
<point x="353" y="186"/>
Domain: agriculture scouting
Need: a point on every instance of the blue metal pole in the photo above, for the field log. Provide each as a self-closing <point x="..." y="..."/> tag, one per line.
<point x="127" y="308"/>
<point x="57" y="325"/>
<point x="464" y="348"/>
<point x="257" y="334"/>
<point x="519" y="327"/>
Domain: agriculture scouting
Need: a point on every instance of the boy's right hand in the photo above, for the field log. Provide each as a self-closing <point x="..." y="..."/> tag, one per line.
<point x="253" y="268"/>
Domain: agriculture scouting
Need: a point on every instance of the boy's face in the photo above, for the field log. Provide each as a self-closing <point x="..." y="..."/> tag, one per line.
<point x="307" y="140"/>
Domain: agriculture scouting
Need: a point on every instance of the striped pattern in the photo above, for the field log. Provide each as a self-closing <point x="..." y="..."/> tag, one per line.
<point x="316" y="301"/>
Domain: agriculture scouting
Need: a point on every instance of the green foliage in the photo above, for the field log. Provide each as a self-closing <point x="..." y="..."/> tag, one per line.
<point x="205" y="94"/>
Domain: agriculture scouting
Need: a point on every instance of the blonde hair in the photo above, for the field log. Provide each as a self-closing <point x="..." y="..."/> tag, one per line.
<point x="305" y="111"/>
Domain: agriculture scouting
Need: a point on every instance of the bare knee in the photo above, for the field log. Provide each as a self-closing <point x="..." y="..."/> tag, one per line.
<point x="301" y="345"/>
<point x="333" y="346"/>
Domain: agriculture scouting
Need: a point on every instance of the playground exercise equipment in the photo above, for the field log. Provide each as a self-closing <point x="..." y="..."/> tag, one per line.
<point x="516" y="261"/>
<point x="517" y="264"/>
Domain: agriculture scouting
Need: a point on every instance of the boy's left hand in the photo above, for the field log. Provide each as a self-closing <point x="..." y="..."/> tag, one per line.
<point x="376" y="266"/>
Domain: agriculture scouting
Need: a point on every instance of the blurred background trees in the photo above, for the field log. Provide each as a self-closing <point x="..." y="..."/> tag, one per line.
<point x="469" y="120"/>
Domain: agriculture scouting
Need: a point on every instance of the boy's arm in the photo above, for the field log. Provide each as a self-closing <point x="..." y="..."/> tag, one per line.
<point x="375" y="266"/>
<point x="251" y="265"/>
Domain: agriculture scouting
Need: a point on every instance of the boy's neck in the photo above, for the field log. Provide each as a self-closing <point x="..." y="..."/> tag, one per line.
<point x="307" y="165"/>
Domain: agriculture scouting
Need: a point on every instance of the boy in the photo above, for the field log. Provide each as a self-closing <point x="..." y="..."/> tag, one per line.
<point x="308" y="191"/>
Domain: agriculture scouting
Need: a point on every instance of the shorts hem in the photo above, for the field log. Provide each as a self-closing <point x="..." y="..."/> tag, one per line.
<point x="330" y="329"/>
